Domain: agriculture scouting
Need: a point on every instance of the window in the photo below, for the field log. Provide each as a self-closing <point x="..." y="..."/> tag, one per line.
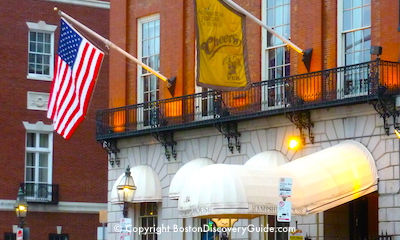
<point x="149" y="53"/>
<point x="38" y="161"/>
<point x="40" y="51"/>
<point x="58" y="237"/>
<point x="276" y="53"/>
<point x="355" y="43"/>
<point x="148" y="219"/>
<point x="356" y="31"/>
<point x="208" y="104"/>
<point x="10" y="236"/>
<point x="207" y="224"/>
<point x="278" y="233"/>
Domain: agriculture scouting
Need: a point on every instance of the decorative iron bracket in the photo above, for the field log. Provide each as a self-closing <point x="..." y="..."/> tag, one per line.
<point x="386" y="107"/>
<point x="166" y="138"/>
<point x="229" y="129"/>
<point x="111" y="147"/>
<point x="302" y="120"/>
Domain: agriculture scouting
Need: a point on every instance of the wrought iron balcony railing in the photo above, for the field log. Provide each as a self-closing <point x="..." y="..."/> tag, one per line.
<point x="327" y="88"/>
<point x="41" y="193"/>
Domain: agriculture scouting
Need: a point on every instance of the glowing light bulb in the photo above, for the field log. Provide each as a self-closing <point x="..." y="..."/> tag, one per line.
<point x="294" y="143"/>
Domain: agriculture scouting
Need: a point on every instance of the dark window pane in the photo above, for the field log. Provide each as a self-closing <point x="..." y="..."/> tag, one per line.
<point x="40" y="37"/>
<point x="30" y="140"/>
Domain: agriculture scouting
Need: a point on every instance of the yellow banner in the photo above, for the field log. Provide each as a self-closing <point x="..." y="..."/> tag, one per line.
<point x="221" y="51"/>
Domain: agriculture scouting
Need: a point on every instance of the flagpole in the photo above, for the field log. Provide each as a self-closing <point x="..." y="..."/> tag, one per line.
<point x="252" y="17"/>
<point x="112" y="45"/>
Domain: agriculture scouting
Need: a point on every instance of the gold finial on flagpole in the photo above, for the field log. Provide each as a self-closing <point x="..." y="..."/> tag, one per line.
<point x="55" y="8"/>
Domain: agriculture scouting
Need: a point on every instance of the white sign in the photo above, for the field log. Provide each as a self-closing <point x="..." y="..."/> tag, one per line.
<point x="20" y="234"/>
<point x="126" y="229"/>
<point x="285" y="187"/>
<point x="284" y="211"/>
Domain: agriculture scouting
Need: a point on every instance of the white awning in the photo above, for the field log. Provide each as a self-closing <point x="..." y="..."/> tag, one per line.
<point x="148" y="186"/>
<point x="270" y="158"/>
<point x="321" y="181"/>
<point x="183" y="174"/>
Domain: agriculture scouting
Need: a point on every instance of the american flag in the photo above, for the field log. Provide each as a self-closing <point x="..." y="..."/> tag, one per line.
<point x="76" y="70"/>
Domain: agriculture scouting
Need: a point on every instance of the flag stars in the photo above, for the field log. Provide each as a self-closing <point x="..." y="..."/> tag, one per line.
<point x="69" y="44"/>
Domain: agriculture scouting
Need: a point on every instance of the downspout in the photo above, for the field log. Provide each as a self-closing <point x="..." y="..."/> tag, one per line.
<point x="184" y="226"/>
<point x="264" y="218"/>
<point x="317" y="215"/>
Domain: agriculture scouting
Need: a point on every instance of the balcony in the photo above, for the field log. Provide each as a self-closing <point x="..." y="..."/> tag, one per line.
<point x="40" y="193"/>
<point x="352" y="84"/>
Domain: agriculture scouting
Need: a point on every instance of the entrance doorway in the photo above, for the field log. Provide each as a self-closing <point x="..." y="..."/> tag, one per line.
<point x="355" y="220"/>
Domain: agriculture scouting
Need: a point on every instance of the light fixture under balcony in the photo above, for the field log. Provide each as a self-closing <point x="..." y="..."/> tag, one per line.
<point x="295" y="143"/>
<point x="126" y="190"/>
<point x="376" y="50"/>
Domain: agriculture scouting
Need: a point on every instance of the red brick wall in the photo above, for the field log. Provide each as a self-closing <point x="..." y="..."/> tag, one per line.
<point x="78" y="226"/>
<point x="80" y="164"/>
<point x="385" y="22"/>
<point x="329" y="37"/>
<point x="313" y="25"/>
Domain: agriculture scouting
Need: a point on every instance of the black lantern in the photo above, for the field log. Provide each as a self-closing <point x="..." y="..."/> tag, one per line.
<point x="126" y="190"/>
<point x="21" y="207"/>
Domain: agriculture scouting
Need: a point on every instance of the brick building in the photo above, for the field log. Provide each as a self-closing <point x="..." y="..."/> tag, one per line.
<point x="64" y="181"/>
<point x="350" y="93"/>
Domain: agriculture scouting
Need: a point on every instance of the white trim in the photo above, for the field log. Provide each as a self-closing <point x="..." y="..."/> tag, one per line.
<point x="140" y="87"/>
<point x="265" y="59"/>
<point x="69" y="207"/>
<point x="42" y="26"/>
<point x="37" y="100"/>
<point x="88" y="3"/>
<point x="356" y="29"/>
<point x="141" y="21"/>
<point x="38" y="126"/>
<point x="264" y="67"/>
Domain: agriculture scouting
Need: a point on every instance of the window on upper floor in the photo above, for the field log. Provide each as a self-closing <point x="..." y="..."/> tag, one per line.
<point x="40" y="51"/>
<point x="148" y="53"/>
<point x="276" y="55"/>
<point x="354" y="44"/>
<point x="356" y="31"/>
<point x="38" y="162"/>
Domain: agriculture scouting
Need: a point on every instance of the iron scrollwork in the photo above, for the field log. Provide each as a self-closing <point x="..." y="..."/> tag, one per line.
<point x="111" y="147"/>
<point x="229" y="129"/>
<point x="166" y="138"/>
<point x="386" y="107"/>
<point x="302" y="120"/>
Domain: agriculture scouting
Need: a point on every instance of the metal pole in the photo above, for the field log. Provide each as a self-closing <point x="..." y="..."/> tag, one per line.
<point x="242" y="10"/>
<point x="104" y="231"/>
<point x="111" y="45"/>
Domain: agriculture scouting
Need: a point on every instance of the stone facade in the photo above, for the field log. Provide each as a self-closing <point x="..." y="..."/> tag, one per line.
<point x="331" y="126"/>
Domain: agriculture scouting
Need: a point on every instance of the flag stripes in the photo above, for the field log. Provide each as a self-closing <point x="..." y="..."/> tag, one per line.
<point x="76" y="70"/>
